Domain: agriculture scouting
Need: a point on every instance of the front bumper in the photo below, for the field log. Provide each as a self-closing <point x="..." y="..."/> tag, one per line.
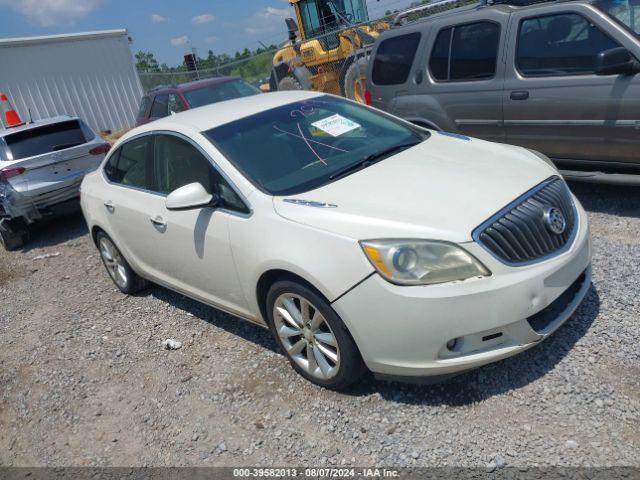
<point x="403" y="331"/>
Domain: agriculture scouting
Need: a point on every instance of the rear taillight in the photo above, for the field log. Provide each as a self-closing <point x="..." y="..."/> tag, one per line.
<point x="7" y="173"/>
<point x="367" y="97"/>
<point x="100" y="149"/>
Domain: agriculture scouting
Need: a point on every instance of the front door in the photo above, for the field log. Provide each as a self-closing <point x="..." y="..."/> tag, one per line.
<point x="553" y="100"/>
<point x="192" y="246"/>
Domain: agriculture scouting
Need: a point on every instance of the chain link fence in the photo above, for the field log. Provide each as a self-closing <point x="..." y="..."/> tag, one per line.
<point x="331" y="62"/>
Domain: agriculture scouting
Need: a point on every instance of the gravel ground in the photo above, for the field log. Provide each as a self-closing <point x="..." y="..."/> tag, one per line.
<point x="84" y="380"/>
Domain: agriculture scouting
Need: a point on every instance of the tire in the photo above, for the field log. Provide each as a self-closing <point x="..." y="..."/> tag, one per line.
<point x="289" y="83"/>
<point x="354" y="82"/>
<point x="118" y="268"/>
<point x="14" y="233"/>
<point x="323" y="351"/>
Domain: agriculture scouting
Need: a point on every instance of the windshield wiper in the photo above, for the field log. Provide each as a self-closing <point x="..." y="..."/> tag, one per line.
<point x="371" y="159"/>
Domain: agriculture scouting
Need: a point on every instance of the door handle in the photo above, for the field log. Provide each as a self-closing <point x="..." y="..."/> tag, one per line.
<point x="109" y="206"/>
<point x="158" y="221"/>
<point x="519" y="95"/>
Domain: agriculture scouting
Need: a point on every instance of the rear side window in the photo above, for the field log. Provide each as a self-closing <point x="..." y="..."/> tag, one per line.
<point x="144" y="106"/>
<point x="159" y="108"/>
<point x="45" y="139"/>
<point x="127" y="166"/>
<point x="565" y="44"/>
<point x="394" y="58"/>
<point x="465" y="52"/>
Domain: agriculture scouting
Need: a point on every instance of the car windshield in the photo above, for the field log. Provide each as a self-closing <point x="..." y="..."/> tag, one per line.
<point x="624" y="12"/>
<point x="303" y="145"/>
<point x="219" y="93"/>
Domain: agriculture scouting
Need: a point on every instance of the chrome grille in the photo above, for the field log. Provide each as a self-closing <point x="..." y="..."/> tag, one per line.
<point x="519" y="234"/>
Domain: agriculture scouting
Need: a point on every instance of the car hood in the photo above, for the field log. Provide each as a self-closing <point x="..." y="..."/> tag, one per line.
<point x="441" y="189"/>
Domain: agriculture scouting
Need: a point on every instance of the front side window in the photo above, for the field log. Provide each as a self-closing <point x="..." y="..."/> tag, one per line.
<point x="564" y="44"/>
<point x="144" y="105"/>
<point x="175" y="104"/>
<point x="127" y="166"/>
<point x="297" y="147"/>
<point x="466" y="52"/>
<point x="159" y="109"/>
<point x="178" y="163"/>
<point x="220" y="92"/>
<point x="393" y="60"/>
<point x="624" y="12"/>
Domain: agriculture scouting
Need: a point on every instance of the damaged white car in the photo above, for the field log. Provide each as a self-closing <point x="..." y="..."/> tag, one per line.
<point x="42" y="164"/>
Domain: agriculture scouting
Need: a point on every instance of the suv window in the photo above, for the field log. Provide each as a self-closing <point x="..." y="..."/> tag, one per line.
<point x="394" y="58"/>
<point x="144" y="105"/>
<point x="127" y="166"/>
<point x="175" y="104"/>
<point x="564" y="44"/>
<point x="160" y="106"/>
<point x="178" y="163"/>
<point x="465" y="52"/>
<point x="46" y="139"/>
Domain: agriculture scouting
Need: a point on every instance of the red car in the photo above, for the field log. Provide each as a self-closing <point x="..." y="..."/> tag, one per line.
<point x="165" y="100"/>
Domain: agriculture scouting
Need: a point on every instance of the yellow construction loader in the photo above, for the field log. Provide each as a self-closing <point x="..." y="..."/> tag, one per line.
<point x="327" y="50"/>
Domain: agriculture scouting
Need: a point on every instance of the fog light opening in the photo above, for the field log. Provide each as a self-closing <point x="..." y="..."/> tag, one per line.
<point x="451" y="344"/>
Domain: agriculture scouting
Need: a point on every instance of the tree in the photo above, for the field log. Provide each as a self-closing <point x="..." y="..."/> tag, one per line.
<point x="146" y="62"/>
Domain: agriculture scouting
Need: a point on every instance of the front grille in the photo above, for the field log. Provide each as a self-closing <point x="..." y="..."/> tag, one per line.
<point x="523" y="233"/>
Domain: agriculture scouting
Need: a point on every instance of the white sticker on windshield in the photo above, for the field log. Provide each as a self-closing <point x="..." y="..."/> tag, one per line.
<point x="336" y="125"/>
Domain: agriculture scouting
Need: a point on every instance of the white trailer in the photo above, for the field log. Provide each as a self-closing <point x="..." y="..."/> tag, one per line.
<point x="87" y="75"/>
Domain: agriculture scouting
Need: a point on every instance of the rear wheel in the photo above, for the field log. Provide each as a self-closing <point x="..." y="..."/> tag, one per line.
<point x="289" y="83"/>
<point x="118" y="268"/>
<point x="312" y="336"/>
<point x="354" y="82"/>
<point x="14" y="233"/>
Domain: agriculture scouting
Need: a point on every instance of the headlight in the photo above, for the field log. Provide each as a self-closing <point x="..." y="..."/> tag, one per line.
<point x="421" y="262"/>
<point x="544" y="158"/>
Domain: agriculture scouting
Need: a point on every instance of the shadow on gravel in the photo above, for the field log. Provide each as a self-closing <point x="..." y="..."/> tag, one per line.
<point x="497" y="378"/>
<point x="241" y="328"/>
<point x="476" y="385"/>
<point x="57" y="230"/>
<point x="611" y="199"/>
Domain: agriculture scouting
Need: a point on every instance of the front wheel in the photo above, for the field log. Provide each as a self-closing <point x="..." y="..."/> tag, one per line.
<point x="118" y="268"/>
<point x="312" y="336"/>
<point x="354" y="83"/>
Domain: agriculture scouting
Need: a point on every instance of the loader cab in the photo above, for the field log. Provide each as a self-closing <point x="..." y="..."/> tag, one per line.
<point x="320" y="18"/>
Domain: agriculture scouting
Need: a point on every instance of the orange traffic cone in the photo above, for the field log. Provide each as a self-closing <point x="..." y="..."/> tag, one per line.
<point x="10" y="116"/>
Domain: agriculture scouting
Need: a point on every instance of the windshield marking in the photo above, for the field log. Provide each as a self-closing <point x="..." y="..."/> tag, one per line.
<point x="310" y="139"/>
<point x="309" y="145"/>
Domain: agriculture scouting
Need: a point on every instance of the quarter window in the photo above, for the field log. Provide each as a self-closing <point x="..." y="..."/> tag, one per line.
<point x="160" y="106"/>
<point x="178" y="163"/>
<point x="394" y="58"/>
<point x="465" y="52"/>
<point x="565" y="44"/>
<point x="127" y="166"/>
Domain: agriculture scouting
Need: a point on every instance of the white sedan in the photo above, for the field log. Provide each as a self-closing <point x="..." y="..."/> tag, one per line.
<point x="363" y="242"/>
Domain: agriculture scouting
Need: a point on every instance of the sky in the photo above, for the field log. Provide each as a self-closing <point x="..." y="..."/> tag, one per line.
<point x="167" y="28"/>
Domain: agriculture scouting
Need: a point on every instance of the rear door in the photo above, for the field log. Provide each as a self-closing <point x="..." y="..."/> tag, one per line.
<point x="464" y="73"/>
<point x="55" y="158"/>
<point x="553" y="101"/>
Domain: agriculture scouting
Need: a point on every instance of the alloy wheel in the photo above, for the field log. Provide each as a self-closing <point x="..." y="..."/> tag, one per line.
<point x="114" y="262"/>
<point x="306" y="336"/>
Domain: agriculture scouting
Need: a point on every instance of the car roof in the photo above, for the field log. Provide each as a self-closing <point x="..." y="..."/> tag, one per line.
<point x="194" y="85"/>
<point x="504" y="7"/>
<point x="37" y="123"/>
<point x="210" y="116"/>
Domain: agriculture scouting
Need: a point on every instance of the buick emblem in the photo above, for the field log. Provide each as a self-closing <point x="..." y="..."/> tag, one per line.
<point x="555" y="221"/>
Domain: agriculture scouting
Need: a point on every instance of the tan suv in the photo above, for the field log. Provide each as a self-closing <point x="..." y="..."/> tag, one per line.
<point x="558" y="77"/>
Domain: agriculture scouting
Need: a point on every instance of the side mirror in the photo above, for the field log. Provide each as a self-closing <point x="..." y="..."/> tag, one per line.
<point x="190" y="197"/>
<point x="616" y="61"/>
<point x="292" y="27"/>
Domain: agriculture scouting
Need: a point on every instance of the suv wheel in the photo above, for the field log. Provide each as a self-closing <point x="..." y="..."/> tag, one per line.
<point x="312" y="336"/>
<point x="14" y="233"/>
<point x="118" y="268"/>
